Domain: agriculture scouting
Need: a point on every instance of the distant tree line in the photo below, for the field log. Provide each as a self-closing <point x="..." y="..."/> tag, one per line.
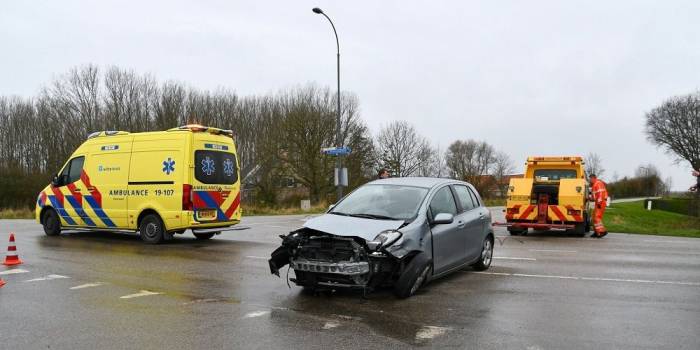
<point x="646" y="182"/>
<point x="278" y="135"/>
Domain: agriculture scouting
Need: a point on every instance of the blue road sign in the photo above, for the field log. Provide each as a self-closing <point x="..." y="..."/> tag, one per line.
<point x="336" y="151"/>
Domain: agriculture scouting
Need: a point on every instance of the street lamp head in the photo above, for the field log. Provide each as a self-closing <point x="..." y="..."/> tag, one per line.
<point x="317" y="10"/>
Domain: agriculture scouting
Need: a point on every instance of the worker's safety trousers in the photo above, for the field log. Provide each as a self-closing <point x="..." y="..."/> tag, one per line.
<point x="598" y="212"/>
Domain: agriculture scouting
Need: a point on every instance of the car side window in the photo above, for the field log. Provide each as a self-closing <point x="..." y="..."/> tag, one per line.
<point x="443" y="202"/>
<point x="71" y="173"/>
<point x="465" y="198"/>
<point x="475" y="198"/>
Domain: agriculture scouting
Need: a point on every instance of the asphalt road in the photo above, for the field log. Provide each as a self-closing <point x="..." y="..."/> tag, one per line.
<point x="543" y="291"/>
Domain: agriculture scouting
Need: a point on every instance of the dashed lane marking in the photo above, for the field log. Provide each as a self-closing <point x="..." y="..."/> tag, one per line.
<point x="142" y="293"/>
<point x="257" y="314"/>
<point x="12" y="272"/>
<point x="47" y="278"/>
<point x="552" y="251"/>
<point x="430" y="332"/>
<point x="87" y="285"/>
<point x="513" y="258"/>
<point x="331" y="325"/>
<point x="603" y="279"/>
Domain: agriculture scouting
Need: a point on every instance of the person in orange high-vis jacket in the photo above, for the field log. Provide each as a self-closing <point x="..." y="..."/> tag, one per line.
<point x="600" y="196"/>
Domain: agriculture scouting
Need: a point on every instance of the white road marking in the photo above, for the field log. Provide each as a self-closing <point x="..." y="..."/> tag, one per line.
<point x="256" y="257"/>
<point x="430" y="332"/>
<point x="12" y="272"/>
<point x="256" y="314"/>
<point x="275" y="226"/>
<point x="662" y="241"/>
<point x="330" y="325"/>
<point x="513" y="258"/>
<point x="552" y="251"/>
<point x="87" y="285"/>
<point x="603" y="279"/>
<point x="142" y="293"/>
<point x="47" y="278"/>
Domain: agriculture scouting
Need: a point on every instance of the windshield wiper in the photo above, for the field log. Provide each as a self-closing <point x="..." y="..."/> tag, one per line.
<point x="373" y="216"/>
<point x="339" y="213"/>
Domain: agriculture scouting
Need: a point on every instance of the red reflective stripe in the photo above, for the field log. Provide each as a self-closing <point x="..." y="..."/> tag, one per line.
<point x="234" y="205"/>
<point x="11" y="248"/>
<point x="93" y="190"/>
<point x="577" y="217"/>
<point x="527" y="212"/>
<point x="558" y="212"/>
<point x="43" y="198"/>
<point x="509" y="216"/>
<point x="58" y="194"/>
<point x="76" y="195"/>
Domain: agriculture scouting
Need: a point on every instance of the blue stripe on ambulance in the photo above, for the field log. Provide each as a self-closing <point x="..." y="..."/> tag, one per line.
<point x="98" y="210"/>
<point x="61" y="211"/>
<point x="79" y="209"/>
<point x="220" y="215"/>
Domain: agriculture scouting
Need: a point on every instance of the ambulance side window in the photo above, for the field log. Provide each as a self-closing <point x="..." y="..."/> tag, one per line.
<point x="71" y="173"/>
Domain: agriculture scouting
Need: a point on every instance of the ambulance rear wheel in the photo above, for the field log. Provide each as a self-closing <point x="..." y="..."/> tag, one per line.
<point x="203" y="236"/>
<point x="52" y="224"/>
<point x="151" y="229"/>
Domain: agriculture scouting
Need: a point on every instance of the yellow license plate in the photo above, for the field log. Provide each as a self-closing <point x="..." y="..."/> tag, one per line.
<point x="206" y="214"/>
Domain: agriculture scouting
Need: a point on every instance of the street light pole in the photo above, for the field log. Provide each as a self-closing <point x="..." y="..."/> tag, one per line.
<point x="338" y="140"/>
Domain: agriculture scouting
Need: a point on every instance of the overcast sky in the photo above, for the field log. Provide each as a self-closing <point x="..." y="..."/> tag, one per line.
<point x="529" y="77"/>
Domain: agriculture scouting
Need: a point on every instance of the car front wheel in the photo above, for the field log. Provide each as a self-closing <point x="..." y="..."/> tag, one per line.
<point x="486" y="254"/>
<point x="413" y="277"/>
<point x="52" y="224"/>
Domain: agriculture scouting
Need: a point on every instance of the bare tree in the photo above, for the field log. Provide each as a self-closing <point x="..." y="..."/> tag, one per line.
<point x="675" y="126"/>
<point x="594" y="165"/>
<point x="400" y="149"/>
<point x="471" y="161"/>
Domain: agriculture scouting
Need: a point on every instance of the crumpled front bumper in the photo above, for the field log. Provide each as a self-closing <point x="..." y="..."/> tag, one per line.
<point x="340" y="268"/>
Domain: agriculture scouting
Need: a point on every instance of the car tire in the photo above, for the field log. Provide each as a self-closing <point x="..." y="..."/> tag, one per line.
<point x="204" y="236"/>
<point x="413" y="277"/>
<point x="486" y="254"/>
<point x="151" y="229"/>
<point x="51" y="223"/>
<point x="517" y="231"/>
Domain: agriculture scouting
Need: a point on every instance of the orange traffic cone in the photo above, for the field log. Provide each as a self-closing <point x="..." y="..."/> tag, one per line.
<point x="12" y="258"/>
<point x="2" y="282"/>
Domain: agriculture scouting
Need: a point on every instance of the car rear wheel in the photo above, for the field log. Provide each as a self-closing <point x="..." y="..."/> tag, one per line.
<point x="413" y="277"/>
<point x="486" y="254"/>
<point x="151" y="229"/>
<point x="204" y="236"/>
<point x="51" y="222"/>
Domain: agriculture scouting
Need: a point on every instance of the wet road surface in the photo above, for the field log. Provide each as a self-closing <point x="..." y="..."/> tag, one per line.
<point x="543" y="291"/>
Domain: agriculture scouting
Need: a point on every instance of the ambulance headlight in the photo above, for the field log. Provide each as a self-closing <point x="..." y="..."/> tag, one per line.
<point x="385" y="239"/>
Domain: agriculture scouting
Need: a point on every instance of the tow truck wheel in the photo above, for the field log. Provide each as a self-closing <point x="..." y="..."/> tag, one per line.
<point x="51" y="222"/>
<point x="151" y="229"/>
<point x="517" y="231"/>
<point x="413" y="277"/>
<point x="203" y="236"/>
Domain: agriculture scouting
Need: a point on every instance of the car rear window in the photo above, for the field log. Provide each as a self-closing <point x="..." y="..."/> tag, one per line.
<point x="214" y="167"/>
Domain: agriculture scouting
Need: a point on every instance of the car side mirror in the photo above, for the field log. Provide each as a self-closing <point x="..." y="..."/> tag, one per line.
<point x="443" y="218"/>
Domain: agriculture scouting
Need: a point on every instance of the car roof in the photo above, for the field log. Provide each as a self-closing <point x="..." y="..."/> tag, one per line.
<point x="427" y="182"/>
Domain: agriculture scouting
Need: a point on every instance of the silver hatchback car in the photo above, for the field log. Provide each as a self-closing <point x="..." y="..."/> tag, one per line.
<point x="400" y="232"/>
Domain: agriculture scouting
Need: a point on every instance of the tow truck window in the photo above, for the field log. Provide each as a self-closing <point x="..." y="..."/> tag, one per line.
<point x="214" y="167"/>
<point x="554" y="174"/>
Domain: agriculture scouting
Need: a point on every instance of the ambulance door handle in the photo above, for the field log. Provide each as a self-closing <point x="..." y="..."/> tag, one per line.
<point x="76" y="190"/>
<point x="90" y="188"/>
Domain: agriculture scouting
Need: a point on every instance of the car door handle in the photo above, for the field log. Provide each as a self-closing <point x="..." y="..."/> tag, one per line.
<point x="460" y="224"/>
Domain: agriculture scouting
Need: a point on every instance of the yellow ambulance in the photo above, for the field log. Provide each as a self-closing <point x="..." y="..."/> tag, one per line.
<point x="155" y="183"/>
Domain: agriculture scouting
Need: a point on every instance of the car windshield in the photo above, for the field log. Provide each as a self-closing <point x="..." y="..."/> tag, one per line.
<point x="554" y="174"/>
<point x="388" y="202"/>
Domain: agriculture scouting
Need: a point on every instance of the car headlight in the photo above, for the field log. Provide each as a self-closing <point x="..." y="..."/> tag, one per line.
<point x="384" y="239"/>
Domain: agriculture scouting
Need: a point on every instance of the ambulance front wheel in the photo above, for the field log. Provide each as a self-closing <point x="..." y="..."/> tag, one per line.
<point x="151" y="229"/>
<point x="203" y="236"/>
<point x="52" y="224"/>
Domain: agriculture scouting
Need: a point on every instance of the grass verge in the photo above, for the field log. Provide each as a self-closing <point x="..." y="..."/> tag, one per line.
<point x="25" y="213"/>
<point x="632" y="217"/>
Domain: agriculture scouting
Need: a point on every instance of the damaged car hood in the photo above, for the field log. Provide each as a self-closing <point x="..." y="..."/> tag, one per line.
<point x="339" y="225"/>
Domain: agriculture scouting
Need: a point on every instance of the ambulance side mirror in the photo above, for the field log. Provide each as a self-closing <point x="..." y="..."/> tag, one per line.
<point x="54" y="181"/>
